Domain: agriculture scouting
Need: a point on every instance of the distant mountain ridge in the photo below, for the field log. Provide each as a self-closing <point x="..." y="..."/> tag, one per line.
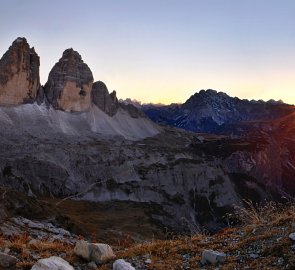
<point x="212" y="111"/>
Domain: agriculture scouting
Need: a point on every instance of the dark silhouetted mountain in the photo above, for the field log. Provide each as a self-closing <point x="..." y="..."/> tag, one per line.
<point x="212" y="111"/>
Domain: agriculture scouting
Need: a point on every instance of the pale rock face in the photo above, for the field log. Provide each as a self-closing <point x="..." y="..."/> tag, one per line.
<point x="122" y="265"/>
<point x="72" y="100"/>
<point x="52" y="263"/>
<point x="19" y="74"/>
<point x="69" y="83"/>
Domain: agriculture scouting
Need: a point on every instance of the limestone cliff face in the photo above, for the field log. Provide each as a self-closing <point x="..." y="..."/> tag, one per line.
<point x="108" y="103"/>
<point x="69" y="83"/>
<point x="19" y="74"/>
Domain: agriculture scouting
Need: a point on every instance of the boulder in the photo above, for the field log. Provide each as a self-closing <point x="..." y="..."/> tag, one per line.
<point x="122" y="265"/>
<point x="92" y="265"/>
<point x="292" y="236"/>
<point x="82" y="249"/>
<point x="100" y="96"/>
<point x="98" y="253"/>
<point x="69" y="83"/>
<point x="212" y="256"/>
<point x="52" y="263"/>
<point x="19" y="74"/>
<point x="7" y="261"/>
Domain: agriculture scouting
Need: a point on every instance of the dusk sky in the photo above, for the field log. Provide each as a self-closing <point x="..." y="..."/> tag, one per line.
<point x="165" y="50"/>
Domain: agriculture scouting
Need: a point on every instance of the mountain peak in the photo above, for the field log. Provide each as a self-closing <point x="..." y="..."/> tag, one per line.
<point x="210" y="92"/>
<point x="210" y="111"/>
<point x="69" y="83"/>
<point x="20" y="40"/>
<point x="108" y="103"/>
<point x="71" y="54"/>
<point x="19" y="74"/>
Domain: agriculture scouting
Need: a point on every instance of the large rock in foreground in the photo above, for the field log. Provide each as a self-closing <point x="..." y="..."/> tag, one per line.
<point x="7" y="261"/>
<point x="98" y="253"/>
<point x="19" y="74"/>
<point x="52" y="263"/>
<point x="69" y="83"/>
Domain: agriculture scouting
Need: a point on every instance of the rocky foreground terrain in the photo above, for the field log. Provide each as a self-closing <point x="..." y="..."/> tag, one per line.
<point x="86" y="166"/>
<point x="263" y="238"/>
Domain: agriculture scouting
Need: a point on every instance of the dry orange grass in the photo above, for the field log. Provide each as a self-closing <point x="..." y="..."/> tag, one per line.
<point x="265" y="213"/>
<point x="263" y="227"/>
<point x="27" y="253"/>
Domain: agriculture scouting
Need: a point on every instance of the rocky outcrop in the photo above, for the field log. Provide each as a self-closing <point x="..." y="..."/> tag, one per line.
<point x="19" y="74"/>
<point x="69" y="83"/>
<point x="108" y="103"/>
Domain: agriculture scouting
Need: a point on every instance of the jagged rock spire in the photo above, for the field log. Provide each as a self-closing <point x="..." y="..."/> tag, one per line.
<point x="103" y="100"/>
<point x="69" y="83"/>
<point x="19" y="74"/>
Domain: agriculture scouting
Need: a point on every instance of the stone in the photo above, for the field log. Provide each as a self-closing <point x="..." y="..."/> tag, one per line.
<point x="7" y="261"/>
<point x="212" y="257"/>
<point x="122" y="265"/>
<point x="254" y="256"/>
<point x="281" y="261"/>
<point x="69" y="83"/>
<point x="92" y="265"/>
<point x="34" y="242"/>
<point x="98" y="253"/>
<point x="101" y="253"/>
<point x="19" y="74"/>
<point x="52" y="263"/>
<point x="100" y="96"/>
<point x="292" y="236"/>
<point x="82" y="249"/>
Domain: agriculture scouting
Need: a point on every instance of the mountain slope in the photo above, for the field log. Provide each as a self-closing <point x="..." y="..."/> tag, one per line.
<point x="42" y="122"/>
